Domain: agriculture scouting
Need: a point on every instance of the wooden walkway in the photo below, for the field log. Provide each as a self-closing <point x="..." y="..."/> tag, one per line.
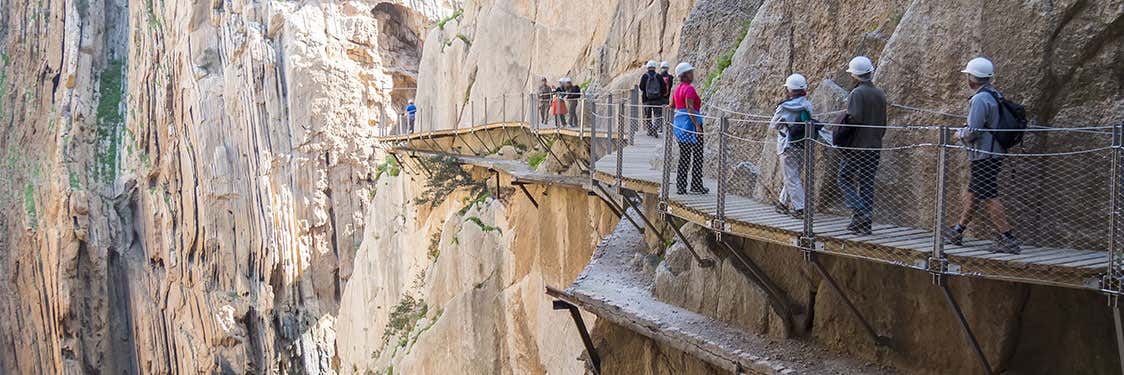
<point x="904" y="246"/>
<point x="746" y="217"/>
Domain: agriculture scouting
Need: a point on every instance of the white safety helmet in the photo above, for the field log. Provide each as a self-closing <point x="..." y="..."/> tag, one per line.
<point x="796" y="82"/>
<point x="860" y="65"/>
<point x="564" y="80"/>
<point x="665" y="65"/>
<point x="980" y="68"/>
<point x="411" y="101"/>
<point x="651" y="64"/>
<point x="683" y="68"/>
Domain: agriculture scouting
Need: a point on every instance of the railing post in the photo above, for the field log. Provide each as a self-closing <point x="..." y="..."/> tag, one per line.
<point x="592" y="149"/>
<point x="485" y="110"/>
<point x="471" y="113"/>
<point x="936" y="264"/>
<point x="620" y="146"/>
<point x="1114" y="269"/>
<point x="665" y="180"/>
<point x="634" y="113"/>
<point x="809" y="187"/>
<point x="503" y="108"/>
<point x="609" y="126"/>
<point x="723" y="170"/>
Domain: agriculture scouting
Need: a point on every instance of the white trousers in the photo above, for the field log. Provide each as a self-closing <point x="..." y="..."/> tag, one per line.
<point x="792" y="192"/>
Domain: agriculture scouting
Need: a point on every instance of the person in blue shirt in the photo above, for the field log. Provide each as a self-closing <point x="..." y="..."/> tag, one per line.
<point x="411" y="112"/>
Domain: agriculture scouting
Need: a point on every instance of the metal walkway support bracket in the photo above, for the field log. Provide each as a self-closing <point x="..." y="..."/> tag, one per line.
<point x="522" y="187"/>
<point x="777" y="298"/>
<point x="810" y="256"/>
<point x="560" y="303"/>
<point x="942" y="282"/>
<point x="704" y="263"/>
<point x="619" y="211"/>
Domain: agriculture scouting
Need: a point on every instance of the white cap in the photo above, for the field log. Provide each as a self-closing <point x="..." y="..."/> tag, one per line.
<point x="411" y="101"/>
<point x="683" y="68"/>
<point x="860" y="65"/>
<point x="665" y="65"/>
<point x="564" y="80"/>
<point x="651" y="64"/>
<point x="980" y="68"/>
<point x="796" y="82"/>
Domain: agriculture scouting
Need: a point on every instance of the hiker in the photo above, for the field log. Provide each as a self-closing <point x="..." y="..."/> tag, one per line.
<point x="569" y="94"/>
<point x="653" y="93"/>
<point x="411" y="113"/>
<point x="859" y="146"/>
<point x="544" y="93"/>
<point x="985" y="158"/>
<point x="668" y="83"/>
<point x="688" y="131"/>
<point x="789" y="120"/>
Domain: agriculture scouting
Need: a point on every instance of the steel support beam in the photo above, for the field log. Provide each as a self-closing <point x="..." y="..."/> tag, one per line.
<point x="964" y="326"/>
<point x="777" y="298"/>
<point x="561" y="304"/>
<point x="705" y="263"/>
<point x="879" y="340"/>
<point x="526" y="192"/>
<point x="613" y="206"/>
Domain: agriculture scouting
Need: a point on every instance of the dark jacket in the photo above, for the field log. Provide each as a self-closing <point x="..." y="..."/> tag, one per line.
<point x="668" y="82"/>
<point x="574" y="92"/>
<point x="865" y="106"/>
<point x="650" y="75"/>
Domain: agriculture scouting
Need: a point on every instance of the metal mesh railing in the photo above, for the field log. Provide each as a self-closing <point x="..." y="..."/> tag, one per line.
<point x="1044" y="212"/>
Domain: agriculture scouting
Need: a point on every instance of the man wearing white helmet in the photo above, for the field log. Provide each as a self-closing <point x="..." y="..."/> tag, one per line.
<point x="858" y="145"/>
<point x="985" y="155"/>
<point x="652" y="93"/>
<point x="789" y="120"/>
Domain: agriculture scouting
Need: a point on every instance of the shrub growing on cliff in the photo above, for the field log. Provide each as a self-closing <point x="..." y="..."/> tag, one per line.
<point x="109" y="119"/>
<point x="455" y="16"/>
<point x="447" y="176"/>
<point x="725" y="59"/>
<point x="536" y="159"/>
<point x="484" y="227"/>
<point x="404" y="317"/>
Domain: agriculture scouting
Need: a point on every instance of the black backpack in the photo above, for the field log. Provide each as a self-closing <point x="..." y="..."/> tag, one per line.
<point x="809" y="129"/>
<point x="1012" y="119"/>
<point x="653" y="86"/>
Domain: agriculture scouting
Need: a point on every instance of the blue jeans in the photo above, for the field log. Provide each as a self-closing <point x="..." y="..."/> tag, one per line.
<point x="857" y="169"/>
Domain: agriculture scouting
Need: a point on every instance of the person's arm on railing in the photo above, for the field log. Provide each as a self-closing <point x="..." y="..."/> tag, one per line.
<point x="694" y="119"/>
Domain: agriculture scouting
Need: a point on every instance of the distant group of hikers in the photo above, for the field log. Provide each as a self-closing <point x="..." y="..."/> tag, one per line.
<point x="559" y="102"/>
<point x="857" y="134"/>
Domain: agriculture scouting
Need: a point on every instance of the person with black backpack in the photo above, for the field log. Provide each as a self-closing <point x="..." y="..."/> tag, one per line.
<point x="994" y="125"/>
<point x="652" y="93"/>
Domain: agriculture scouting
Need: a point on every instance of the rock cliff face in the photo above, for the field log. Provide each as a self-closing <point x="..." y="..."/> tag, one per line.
<point x="193" y="186"/>
<point x="192" y="177"/>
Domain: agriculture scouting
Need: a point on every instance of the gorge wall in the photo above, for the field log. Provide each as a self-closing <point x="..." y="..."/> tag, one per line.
<point x="194" y="186"/>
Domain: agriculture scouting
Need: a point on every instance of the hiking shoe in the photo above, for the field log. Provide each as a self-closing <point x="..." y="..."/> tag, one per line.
<point x="1006" y="244"/>
<point x="859" y="227"/>
<point x="700" y="191"/>
<point x="780" y="208"/>
<point x="953" y="236"/>
<point x="798" y="214"/>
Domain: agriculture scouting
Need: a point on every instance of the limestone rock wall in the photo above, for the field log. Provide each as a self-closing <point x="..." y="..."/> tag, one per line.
<point x="188" y="181"/>
<point x="504" y="47"/>
<point x="472" y="299"/>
